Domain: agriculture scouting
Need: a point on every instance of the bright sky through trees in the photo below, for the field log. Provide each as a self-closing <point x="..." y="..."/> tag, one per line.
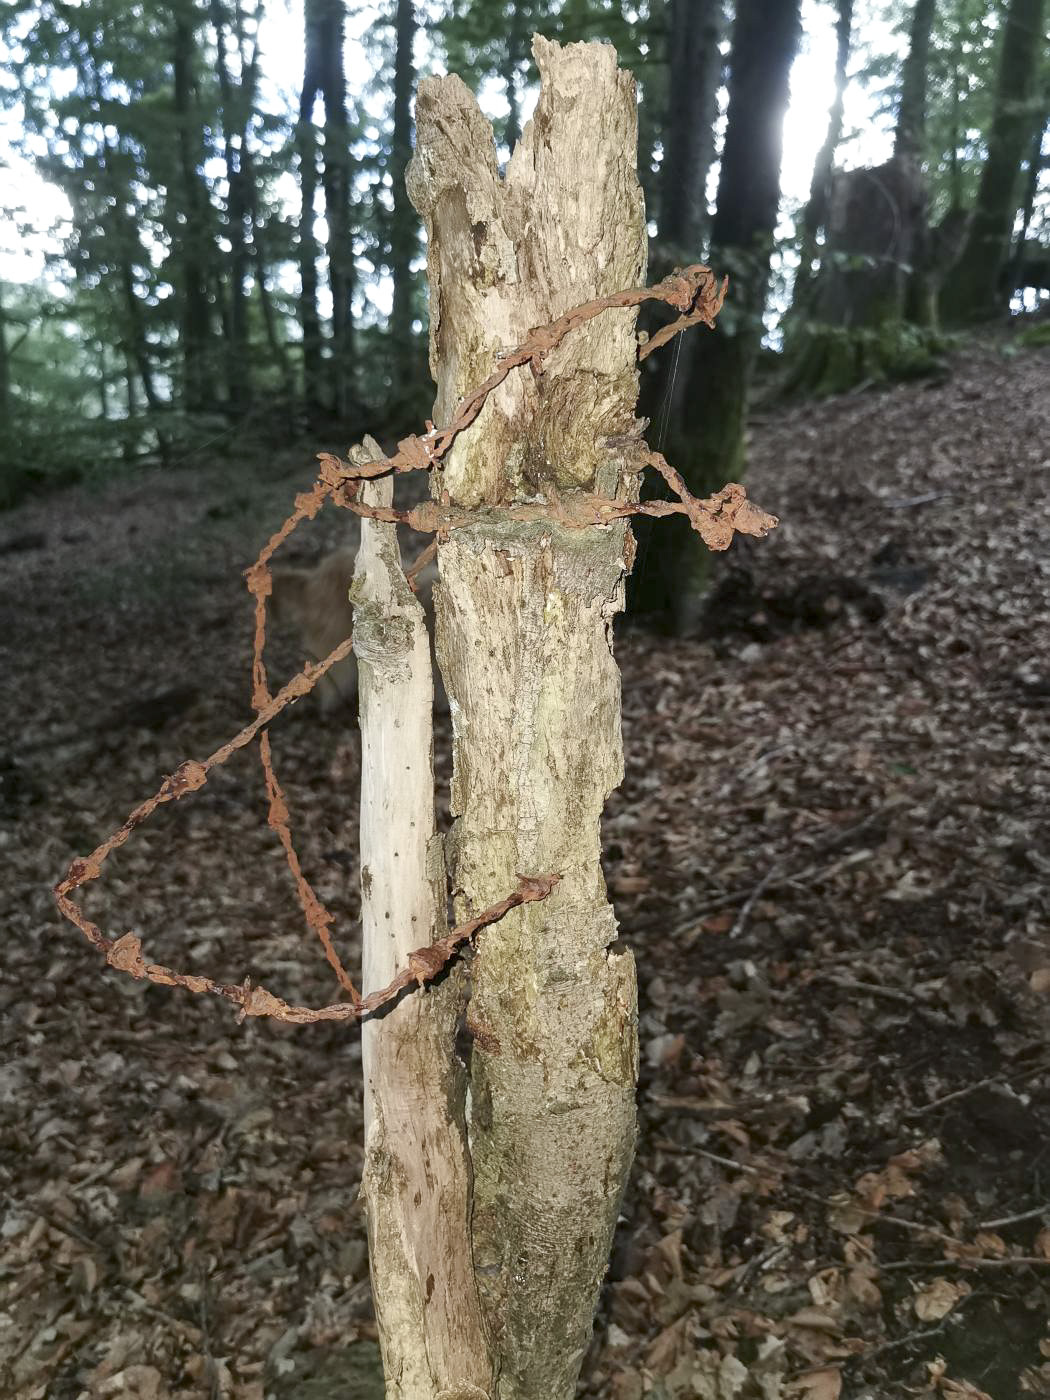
<point x="867" y="134"/>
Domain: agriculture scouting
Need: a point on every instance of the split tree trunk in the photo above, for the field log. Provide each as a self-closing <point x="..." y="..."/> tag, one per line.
<point x="524" y="642"/>
<point x="416" y="1174"/>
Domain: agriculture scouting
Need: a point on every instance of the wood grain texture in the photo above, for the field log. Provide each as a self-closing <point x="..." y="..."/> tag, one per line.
<point x="524" y="642"/>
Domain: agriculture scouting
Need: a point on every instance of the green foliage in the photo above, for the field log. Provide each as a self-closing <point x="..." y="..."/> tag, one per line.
<point x="490" y="42"/>
<point x="960" y="78"/>
<point x="122" y="108"/>
<point x="834" y="359"/>
<point x="1032" y="336"/>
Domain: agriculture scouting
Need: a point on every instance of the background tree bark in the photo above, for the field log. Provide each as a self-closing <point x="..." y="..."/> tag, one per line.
<point x="909" y="137"/>
<point x="404" y="237"/>
<point x="524" y="643"/>
<point x="707" y="436"/>
<point x="815" y="214"/>
<point x="695" y="64"/>
<point x="973" y="291"/>
<point x="307" y="251"/>
<point x="198" y="372"/>
<point x="324" y="76"/>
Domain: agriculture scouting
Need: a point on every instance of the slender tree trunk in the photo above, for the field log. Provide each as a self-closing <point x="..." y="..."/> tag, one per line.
<point x="919" y="285"/>
<point x="404" y="236"/>
<point x="524" y="616"/>
<point x="135" y="336"/>
<point x="1031" y="189"/>
<point x="708" y="436"/>
<point x="237" y="99"/>
<point x="416" y="1178"/>
<point x="5" y="367"/>
<point x="194" y="242"/>
<point x="271" y="320"/>
<point x="973" y="291"/>
<point x="127" y="254"/>
<point x="910" y="135"/>
<point x="955" y="193"/>
<point x="513" y="55"/>
<point x="308" y="251"/>
<point x="128" y="438"/>
<point x="815" y="214"/>
<point x="327" y="31"/>
<point x="11" y="463"/>
<point x="103" y="378"/>
<point x="695" y="33"/>
<point x="694" y="61"/>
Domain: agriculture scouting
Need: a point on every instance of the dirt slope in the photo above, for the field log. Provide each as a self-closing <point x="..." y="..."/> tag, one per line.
<point x="830" y="853"/>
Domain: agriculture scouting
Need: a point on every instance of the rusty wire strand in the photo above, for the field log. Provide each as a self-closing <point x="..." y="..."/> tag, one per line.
<point x="693" y="291"/>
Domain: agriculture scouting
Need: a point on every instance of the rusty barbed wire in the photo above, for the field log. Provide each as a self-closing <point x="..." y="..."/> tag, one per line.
<point x="696" y="293"/>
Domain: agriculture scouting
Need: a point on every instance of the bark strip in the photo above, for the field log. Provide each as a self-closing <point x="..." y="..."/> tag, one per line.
<point x="416" y="1180"/>
<point x="524" y="643"/>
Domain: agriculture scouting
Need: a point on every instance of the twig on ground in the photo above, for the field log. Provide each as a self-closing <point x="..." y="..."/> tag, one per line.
<point x="924" y="1334"/>
<point x="1032" y="1214"/>
<point x="990" y="1081"/>
<point x="740" y="922"/>
<point x="979" y="1262"/>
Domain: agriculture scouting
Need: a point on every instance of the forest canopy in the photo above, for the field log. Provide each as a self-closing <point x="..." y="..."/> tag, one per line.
<point x="207" y="236"/>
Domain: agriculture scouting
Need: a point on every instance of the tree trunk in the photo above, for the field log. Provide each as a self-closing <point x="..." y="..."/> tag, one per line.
<point x="272" y="322"/>
<point x="103" y="376"/>
<point x="416" y="1178"/>
<point x="973" y="291"/>
<point x="694" y="61"/>
<point x="707" y="439"/>
<point x="524" y="617"/>
<point x="1031" y="189"/>
<point x="11" y="465"/>
<point x="325" y="70"/>
<point x="513" y="55"/>
<point x="237" y="101"/>
<point x="404" y="236"/>
<point x="194" y="240"/>
<point x="306" y="243"/>
<point x="919" y="288"/>
<point x="5" y="368"/>
<point x="689" y="127"/>
<point x="815" y="214"/>
<point x="909" y="137"/>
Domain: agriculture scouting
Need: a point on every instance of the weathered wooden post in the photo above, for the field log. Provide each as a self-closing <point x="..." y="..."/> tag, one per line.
<point x="525" y="615"/>
<point x="416" y="1180"/>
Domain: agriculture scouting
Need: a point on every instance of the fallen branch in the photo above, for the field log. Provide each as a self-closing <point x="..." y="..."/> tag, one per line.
<point x="1034" y="1214"/>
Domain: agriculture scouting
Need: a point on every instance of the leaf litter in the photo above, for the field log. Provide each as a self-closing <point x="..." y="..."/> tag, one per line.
<point x="829" y="853"/>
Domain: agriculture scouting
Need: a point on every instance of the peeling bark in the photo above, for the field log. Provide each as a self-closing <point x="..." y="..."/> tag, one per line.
<point x="416" y="1179"/>
<point x="524" y="643"/>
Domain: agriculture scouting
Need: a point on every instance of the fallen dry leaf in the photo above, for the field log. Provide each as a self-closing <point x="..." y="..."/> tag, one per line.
<point x="823" y="1384"/>
<point x="938" y="1298"/>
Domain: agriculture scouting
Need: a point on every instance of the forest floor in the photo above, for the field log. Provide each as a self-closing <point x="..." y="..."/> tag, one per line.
<point x="830" y="854"/>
